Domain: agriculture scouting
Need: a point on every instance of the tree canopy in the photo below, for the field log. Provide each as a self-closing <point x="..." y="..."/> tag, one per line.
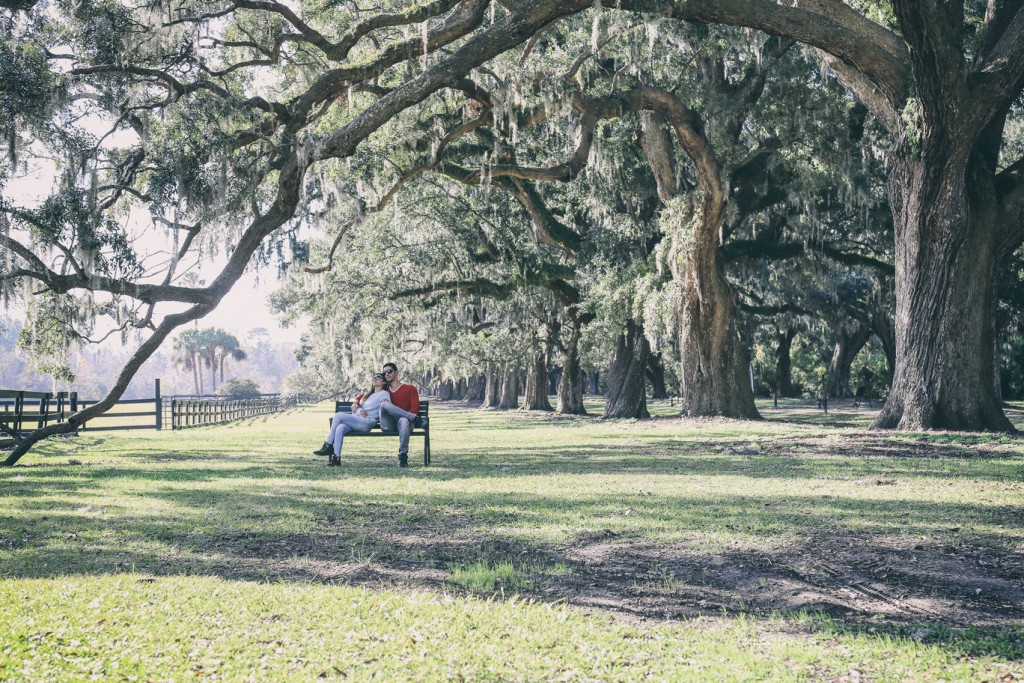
<point x="518" y="157"/>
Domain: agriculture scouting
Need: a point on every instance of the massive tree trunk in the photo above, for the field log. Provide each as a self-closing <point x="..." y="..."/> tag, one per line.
<point x="784" y="364"/>
<point x="475" y="389"/>
<point x="848" y="345"/>
<point x="626" y="395"/>
<point x="656" y="373"/>
<point x="492" y="386"/>
<point x="509" y="388"/>
<point x="594" y="383"/>
<point x="535" y="395"/>
<point x="945" y="206"/>
<point x="445" y="390"/>
<point x="570" y="386"/>
<point x="714" y="366"/>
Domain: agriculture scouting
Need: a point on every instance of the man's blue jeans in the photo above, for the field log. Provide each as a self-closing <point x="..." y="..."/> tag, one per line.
<point x="394" y="419"/>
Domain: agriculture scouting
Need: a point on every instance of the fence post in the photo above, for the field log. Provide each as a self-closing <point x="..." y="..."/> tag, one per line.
<point x="19" y="406"/>
<point x="44" y="410"/>
<point x="156" y="403"/>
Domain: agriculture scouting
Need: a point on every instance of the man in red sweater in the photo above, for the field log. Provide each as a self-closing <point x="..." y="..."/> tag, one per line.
<point x="400" y="415"/>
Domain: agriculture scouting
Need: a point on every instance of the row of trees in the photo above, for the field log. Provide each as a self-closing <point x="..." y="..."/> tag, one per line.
<point x="650" y="152"/>
<point x="606" y="279"/>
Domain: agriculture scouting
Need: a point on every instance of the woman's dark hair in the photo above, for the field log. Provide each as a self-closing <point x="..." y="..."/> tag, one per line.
<point x="366" y="394"/>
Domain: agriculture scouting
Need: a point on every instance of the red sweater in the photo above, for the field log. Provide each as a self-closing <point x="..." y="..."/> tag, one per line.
<point x="407" y="398"/>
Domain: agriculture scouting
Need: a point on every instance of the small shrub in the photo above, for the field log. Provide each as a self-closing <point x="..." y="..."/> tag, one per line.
<point x="239" y="388"/>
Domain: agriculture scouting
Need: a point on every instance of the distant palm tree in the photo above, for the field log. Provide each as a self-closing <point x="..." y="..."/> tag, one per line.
<point x="228" y="346"/>
<point x="206" y="348"/>
<point x="187" y="354"/>
<point x="208" y="344"/>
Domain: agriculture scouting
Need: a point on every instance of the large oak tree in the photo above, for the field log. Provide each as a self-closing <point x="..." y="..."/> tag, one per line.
<point x="941" y="77"/>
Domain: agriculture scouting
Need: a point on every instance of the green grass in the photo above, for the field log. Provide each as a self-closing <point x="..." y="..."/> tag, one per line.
<point x="533" y="548"/>
<point x="131" y="628"/>
<point x="482" y="576"/>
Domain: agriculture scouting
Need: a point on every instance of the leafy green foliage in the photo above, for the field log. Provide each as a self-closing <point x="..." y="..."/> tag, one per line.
<point x="44" y="338"/>
<point x="239" y="388"/>
<point x="26" y="92"/>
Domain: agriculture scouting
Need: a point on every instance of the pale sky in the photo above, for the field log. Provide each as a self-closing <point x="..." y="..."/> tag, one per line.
<point x="245" y="307"/>
<point x="242" y="309"/>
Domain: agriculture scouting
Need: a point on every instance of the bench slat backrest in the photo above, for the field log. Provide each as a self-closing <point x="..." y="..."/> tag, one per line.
<point x="346" y="406"/>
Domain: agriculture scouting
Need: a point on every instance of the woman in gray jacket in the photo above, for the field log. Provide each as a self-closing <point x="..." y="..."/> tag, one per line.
<point x="365" y="416"/>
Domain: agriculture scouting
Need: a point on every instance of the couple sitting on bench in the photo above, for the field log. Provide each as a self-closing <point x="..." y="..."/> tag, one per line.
<point x="389" y="404"/>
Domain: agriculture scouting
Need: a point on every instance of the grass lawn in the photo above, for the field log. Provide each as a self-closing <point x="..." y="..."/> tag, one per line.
<point x="535" y="547"/>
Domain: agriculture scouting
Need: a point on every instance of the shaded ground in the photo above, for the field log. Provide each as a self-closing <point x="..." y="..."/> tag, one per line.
<point x="903" y="567"/>
<point x="857" y="577"/>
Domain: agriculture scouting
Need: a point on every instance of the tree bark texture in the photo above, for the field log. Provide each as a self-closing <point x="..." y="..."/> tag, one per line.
<point x="627" y="395"/>
<point x="946" y="242"/>
<point x="509" y="388"/>
<point x="492" y="386"/>
<point x="656" y="375"/>
<point x="535" y="394"/>
<point x="784" y="364"/>
<point x="714" y="366"/>
<point x="445" y="390"/>
<point x="713" y="369"/>
<point x="570" y="386"/>
<point x="848" y="345"/>
<point x="475" y="387"/>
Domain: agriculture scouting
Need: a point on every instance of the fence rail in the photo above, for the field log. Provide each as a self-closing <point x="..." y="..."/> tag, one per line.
<point x="116" y="414"/>
<point x="189" y="412"/>
<point x="15" y="413"/>
<point x="22" y="412"/>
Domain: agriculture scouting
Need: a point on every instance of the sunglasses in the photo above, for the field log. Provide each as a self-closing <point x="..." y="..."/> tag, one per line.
<point x="389" y="372"/>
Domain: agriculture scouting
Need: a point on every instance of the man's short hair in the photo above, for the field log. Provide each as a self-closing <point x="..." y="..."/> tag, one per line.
<point x="390" y="365"/>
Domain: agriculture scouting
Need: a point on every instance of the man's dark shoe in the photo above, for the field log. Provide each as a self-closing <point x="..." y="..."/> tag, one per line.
<point x="403" y="459"/>
<point x="420" y="422"/>
<point x="326" y="449"/>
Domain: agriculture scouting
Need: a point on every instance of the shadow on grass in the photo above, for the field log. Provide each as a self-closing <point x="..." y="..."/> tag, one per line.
<point x="859" y="459"/>
<point x="876" y="590"/>
<point x="888" y="563"/>
<point x="869" y="561"/>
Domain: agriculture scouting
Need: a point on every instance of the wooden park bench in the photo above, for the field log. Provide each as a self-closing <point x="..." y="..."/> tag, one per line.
<point x="346" y="407"/>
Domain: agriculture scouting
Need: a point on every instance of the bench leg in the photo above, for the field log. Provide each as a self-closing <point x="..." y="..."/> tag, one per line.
<point x="426" y="446"/>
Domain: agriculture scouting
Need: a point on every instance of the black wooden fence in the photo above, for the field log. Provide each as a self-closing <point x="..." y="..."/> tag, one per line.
<point x="22" y="412"/>
<point x="25" y="411"/>
<point x="183" y="413"/>
<point x="141" y="413"/>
